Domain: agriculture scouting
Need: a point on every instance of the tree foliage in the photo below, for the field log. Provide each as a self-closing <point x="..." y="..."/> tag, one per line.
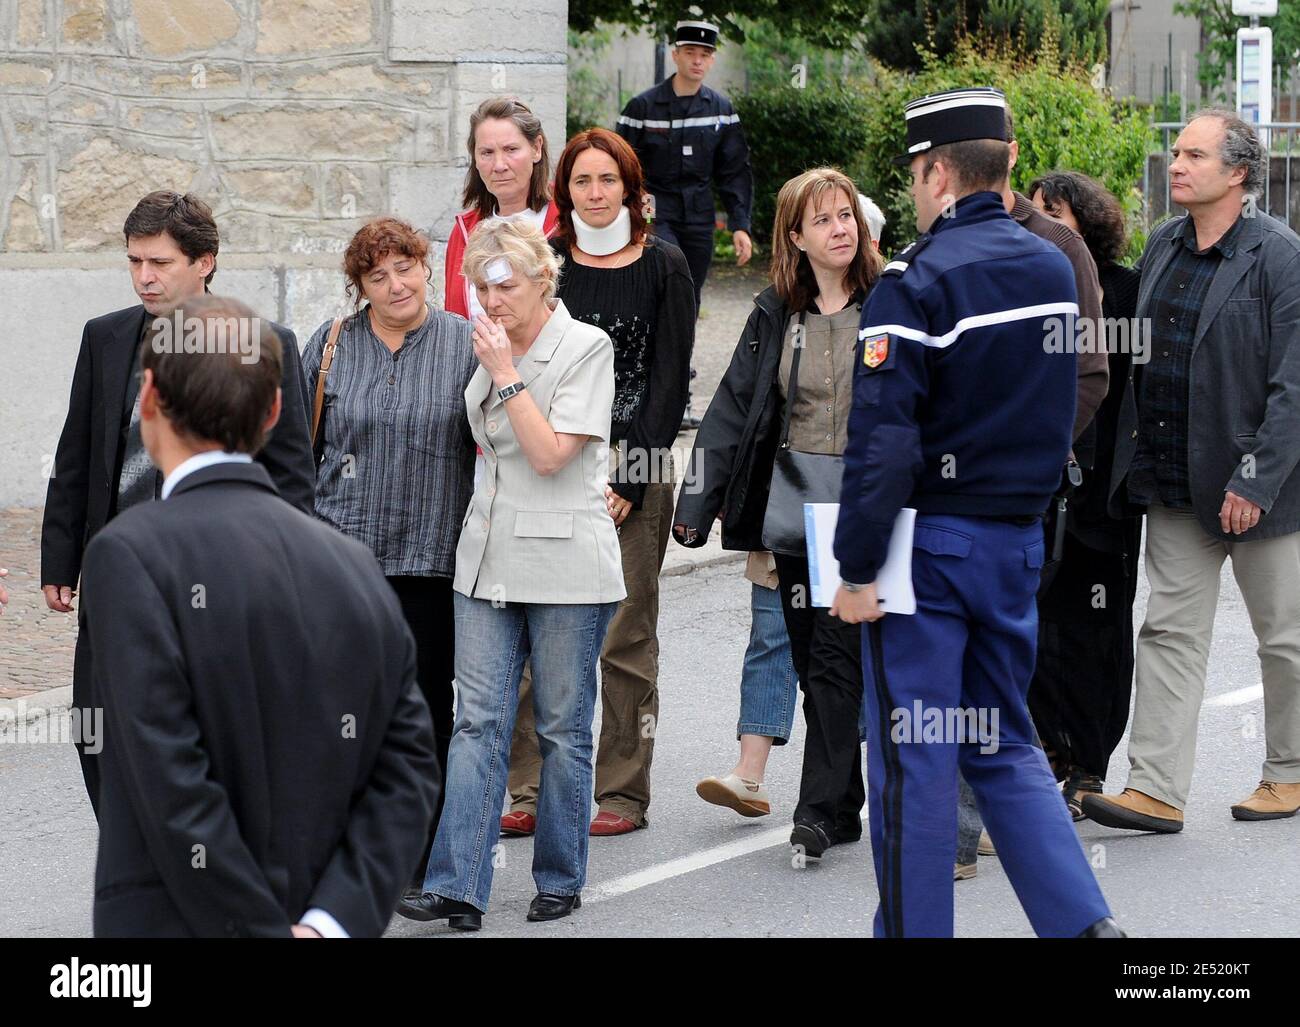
<point x="825" y="22"/>
<point x="776" y="58"/>
<point x="1061" y="122"/>
<point x="902" y="32"/>
<point x="897" y="32"/>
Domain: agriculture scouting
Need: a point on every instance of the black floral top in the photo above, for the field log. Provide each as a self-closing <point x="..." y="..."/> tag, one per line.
<point x="648" y="309"/>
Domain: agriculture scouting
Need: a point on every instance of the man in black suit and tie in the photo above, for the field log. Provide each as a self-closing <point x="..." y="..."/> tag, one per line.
<point x="101" y="467"/>
<point x="268" y="764"/>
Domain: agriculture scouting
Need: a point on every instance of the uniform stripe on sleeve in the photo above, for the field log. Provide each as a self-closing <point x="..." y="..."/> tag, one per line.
<point x="996" y="317"/>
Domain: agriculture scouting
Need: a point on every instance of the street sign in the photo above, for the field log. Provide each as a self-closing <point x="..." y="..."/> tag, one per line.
<point x="1255" y="75"/>
<point x="1254" y="8"/>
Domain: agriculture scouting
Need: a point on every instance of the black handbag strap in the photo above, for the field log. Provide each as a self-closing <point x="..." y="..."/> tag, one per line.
<point x="793" y="387"/>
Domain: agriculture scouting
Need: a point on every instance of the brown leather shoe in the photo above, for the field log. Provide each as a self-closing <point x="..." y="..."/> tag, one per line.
<point x="1272" y="800"/>
<point x="1133" y="811"/>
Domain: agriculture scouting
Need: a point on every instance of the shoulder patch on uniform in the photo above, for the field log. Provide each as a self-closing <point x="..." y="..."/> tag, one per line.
<point x="875" y="350"/>
<point x="903" y="259"/>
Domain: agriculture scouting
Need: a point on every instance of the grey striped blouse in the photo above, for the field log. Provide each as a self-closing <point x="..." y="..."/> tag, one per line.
<point x="398" y="466"/>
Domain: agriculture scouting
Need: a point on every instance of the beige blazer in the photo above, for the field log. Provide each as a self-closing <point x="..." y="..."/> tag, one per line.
<point x="534" y="539"/>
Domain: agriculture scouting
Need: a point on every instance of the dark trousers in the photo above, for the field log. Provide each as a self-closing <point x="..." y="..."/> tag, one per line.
<point x="83" y="698"/>
<point x="695" y="240"/>
<point x="828" y="659"/>
<point x="427" y="607"/>
<point x="1083" y="679"/>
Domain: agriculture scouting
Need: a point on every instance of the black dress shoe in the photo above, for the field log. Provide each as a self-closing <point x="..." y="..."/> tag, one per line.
<point x="810" y="839"/>
<point x="460" y="915"/>
<point x="1104" y="928"/>
<point x="552" y="907"/>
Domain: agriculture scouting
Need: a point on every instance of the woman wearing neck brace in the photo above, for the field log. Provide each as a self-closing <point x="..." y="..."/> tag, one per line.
<point x="638" y="290"/>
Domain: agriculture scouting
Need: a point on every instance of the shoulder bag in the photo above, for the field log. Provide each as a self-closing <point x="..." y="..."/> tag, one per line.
<point x="797" y="478"/>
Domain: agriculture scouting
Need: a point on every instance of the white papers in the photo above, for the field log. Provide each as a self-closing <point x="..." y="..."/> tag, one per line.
<point x="893" y="582"/>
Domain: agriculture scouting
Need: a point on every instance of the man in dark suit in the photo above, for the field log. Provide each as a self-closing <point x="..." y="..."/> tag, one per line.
<point x="268" y="762"/>
<point x="101" y="467"/>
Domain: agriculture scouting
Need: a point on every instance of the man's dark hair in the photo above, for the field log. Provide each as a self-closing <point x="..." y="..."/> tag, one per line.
<point x="1100" y="217"/>
<point x="187" y="219"/>
<point x="979" y="165"/>
<point x="222" y="389"/>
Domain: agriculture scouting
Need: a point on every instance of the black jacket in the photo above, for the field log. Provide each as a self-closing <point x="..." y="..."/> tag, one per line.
<point x="84" y="483"/>
<point x="731" y="465"/>
<point x="265" y="750"/>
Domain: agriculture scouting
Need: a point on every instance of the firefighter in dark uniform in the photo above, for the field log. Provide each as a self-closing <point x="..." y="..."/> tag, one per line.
<point x="961" y="412"/>
<point x="688" y="138"/>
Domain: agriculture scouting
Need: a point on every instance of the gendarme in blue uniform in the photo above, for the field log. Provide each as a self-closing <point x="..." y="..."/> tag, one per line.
<point x="686" y="144"/>
<point x="960" y="412"/>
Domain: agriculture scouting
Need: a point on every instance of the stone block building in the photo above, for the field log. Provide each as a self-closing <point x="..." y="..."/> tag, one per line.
<point x="295" y="119"/>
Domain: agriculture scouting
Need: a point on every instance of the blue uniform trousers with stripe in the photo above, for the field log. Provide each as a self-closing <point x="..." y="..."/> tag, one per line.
<point x="969" y="647"/>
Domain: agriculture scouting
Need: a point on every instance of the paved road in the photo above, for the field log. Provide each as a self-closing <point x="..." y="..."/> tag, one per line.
<point x="700" y="870"/>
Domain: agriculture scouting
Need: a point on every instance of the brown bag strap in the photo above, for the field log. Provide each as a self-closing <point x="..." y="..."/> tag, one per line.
<point x="326" y="359"/>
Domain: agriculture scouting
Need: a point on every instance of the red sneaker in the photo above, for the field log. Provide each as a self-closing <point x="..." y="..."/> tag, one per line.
<point x="612" y="823"/>
<point x="518" y="824"/>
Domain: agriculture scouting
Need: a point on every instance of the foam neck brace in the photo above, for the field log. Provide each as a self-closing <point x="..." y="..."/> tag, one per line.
<point x="601" y="242"/>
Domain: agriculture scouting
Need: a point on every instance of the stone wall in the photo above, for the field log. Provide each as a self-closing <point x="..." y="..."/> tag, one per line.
<point x="295" y="119"/>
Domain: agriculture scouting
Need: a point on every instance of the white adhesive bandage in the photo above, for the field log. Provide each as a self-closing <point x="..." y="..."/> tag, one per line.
<point x="497" y="271"/>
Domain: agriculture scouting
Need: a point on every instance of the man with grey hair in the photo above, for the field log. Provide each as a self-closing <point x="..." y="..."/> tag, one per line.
<point x="874" y="217"/>
<point x="1207" y="445"/>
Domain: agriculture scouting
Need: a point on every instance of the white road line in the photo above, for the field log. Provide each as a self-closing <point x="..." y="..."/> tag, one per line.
<point x="688" y="864"/>
<point x="1238" y="698"/>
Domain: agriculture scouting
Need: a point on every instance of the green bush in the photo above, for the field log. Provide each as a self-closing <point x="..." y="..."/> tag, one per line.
<point x="1061" y="120"/>
<point x="790" y="130"/>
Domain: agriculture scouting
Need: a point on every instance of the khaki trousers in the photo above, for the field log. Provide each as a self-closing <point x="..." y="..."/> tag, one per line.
<point x="629" y="678"/>
<point x="1183" y="565"/>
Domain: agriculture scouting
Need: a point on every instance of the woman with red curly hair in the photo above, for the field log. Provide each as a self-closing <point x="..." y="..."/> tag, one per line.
<point x="395" y="454"/>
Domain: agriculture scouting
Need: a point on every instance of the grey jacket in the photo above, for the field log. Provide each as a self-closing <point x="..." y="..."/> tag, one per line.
<point x="1244" y="404"/>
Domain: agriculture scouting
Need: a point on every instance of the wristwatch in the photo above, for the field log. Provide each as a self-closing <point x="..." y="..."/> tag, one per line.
<point x="849" y="586"/>
<point x="511" y="390"/>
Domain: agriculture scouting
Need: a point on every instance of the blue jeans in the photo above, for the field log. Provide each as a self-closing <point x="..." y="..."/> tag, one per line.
<point x="563" y="644"/>
<point x="969" y="823"/>
<point x="769" y="687"/>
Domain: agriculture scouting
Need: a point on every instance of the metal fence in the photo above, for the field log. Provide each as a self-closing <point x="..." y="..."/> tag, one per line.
<point x="1277" y="199"/>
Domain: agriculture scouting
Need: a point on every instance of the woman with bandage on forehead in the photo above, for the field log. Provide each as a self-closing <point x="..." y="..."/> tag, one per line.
<point x="538" y="577"/>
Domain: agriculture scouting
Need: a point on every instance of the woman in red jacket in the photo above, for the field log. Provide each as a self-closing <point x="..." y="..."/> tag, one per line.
<point x="509" y="175"/>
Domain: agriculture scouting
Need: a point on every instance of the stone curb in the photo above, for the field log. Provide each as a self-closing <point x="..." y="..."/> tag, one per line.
<point x="689" y="566"/>
<point x="37" y="704"/>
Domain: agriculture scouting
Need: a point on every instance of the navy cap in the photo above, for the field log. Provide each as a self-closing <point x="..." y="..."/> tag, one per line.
<point x="953" y="116"/>
<point x="696" y="33"/>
